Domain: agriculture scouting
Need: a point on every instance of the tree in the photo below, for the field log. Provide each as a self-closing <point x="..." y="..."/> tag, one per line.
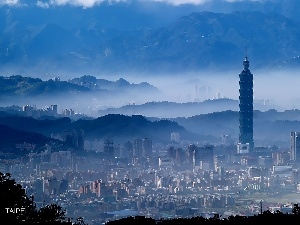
<point x="17" y="208"/>
<point x="296" y="209"/>
<point x="15" y="205"/>
<point x="51" y="214"/>
<point x="79" y="221"/>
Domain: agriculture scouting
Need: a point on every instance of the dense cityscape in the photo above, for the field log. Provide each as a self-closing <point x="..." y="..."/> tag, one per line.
<point x="103" y="181"/>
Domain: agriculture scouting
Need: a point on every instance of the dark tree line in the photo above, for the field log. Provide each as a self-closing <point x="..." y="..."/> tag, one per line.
<point x="17" y="208"/>
<point x="265" y="218"/>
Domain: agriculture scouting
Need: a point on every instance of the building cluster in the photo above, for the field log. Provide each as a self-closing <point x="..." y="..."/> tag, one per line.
<point x="51" y="111"/>
<point x="32" y="111"/>
<point x="202" y="92"/>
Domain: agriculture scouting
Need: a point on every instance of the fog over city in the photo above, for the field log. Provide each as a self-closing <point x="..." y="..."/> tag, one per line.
<point x="149" y="111"/>
<point x="279" y="88"/>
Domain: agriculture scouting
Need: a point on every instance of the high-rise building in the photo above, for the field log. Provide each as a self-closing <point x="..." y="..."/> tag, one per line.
<point x="137" y="147"/>
<point x="147" y="147"/>
<point x="190" y="153"/>
<point x="295" y="176"/>
<point x="74" y="138"/>
<point x="171" y="152"/>
<point x="28" y="110"/>
<point x="68" y="112"/>
<point x="98" y="187"/>
<point x="54" y="110"/>
<point x="63" y="186"/>
<point x="109" y="149"/>
<point x="246" y="106"/>
<point x="295" y="146"/>
<point x="205" y="155"/>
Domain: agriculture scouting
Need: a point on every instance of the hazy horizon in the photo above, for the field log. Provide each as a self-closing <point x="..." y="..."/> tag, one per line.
<point x="278" y="87"/>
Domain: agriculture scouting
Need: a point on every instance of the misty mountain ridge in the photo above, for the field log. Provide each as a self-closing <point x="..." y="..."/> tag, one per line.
<point x="79" y="94"/>
<point x="137" y="13"/>
<point x="165" y="109"/>
<point x="270" y="127"/>
<point x="92" y="82"/>
<point x="118" y="127"/>
<point x="201" y="40"/>
<point x="10" y="138"/>
<point x="18" y="85"/>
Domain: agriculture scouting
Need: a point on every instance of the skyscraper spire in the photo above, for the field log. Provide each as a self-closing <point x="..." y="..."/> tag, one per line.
<point x="246" y="64"/>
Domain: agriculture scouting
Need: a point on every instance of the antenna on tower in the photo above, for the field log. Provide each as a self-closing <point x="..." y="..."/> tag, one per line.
<point x="247" y="46"/>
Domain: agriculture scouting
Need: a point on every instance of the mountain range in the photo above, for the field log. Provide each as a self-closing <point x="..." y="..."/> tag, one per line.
<point x="19" y="86"/>
<point x="118" y="127"/>
<point x="76" y="93"/>
<point x="166" y="109"/>
<point x="10" y="137"/>
<point x="270" y="127"/>
<point x="197" y="41"/>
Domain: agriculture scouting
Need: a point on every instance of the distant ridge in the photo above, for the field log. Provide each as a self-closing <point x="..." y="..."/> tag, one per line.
<point x="268" y="126"/>
<point x="197" y="41"/>
<point x="10" y="137"/>
<point x="78" y="94"/>
<point x="118" y="127"/>
<point x="165" y="109"/>
<point x="18" y="85"/>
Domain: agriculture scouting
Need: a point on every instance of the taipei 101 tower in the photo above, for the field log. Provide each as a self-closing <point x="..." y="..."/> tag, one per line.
<point x="246" y="106"/>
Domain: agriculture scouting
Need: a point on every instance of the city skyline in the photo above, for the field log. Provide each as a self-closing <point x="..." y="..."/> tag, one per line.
<point x="111" y="109"/>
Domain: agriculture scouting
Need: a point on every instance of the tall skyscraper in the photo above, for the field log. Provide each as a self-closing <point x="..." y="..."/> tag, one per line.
<point x="295" y="146"/>
<point x="246" y="106"/>
<point x="190" y="152"/>
<point x="54" y="110"/>
<point x="204" y="154"/>
<point x="137" y="147"/>
<point x="147" y="147"/>
<point x="109" y="149"/>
